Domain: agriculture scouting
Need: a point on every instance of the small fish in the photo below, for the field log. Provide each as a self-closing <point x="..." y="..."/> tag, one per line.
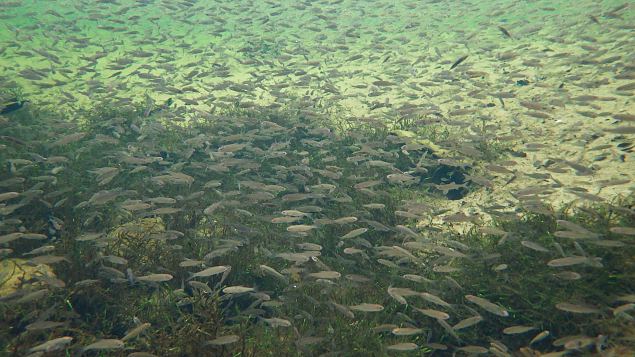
<point x="403" y="347"/>
<point x="627" y="231"/>
<point x="568" y="261"/>
<point x="434" y="299"/>
<point x="539" y="337"/>
<point x="504" y="31"/>
<point x="32" y="296"/>
<point x="210" y="271"/>
<point x="468" y="322"/>
<point x="155" y="278"/>
<point x="577" y="308"/>
<point x="406" y="331"/>
<point x="104" y="344"/>
<point x="293" y="213"/>
<point x="487" y="305"/>
<point x="285" y="219"/>
<point x="458" y="62"/>
<point x="43" y="325"/>
<point x="395" y="295"/>
<point x="136" y="331"/>
<point x="8" y="195"/>
<point x="354" y="233"/>
<point x="366" y="307"/>
<point x="238" y="289"/>
<point x="272" y="272"/>
<point x="52" y="345"/>
<point x="416" y="278"/>
<point x="10" y="237"/>
<point x="191" y="263"/>
<point x="41" y="250"/>
<point x="516" y="330"/>
<point x="534" y="246"/>
<point x="345" y="220"/>
<point x="622" y="309"/>
<point x="326" y="275"/>
<point x="277" y="322"/>
<point x="473" y="350"/>
<point x="435" y="314"/>
<point x="344" y="310"/>
<point x="568" y="275"/>
<point x="309" y="246"/>
<point x="500" y="267"/>
<point x="300" y="228"/>
<point x="223" y="340"/>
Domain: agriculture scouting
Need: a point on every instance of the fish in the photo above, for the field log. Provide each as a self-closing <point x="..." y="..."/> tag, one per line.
<point x="505" y="32"/>
<point x="309" y="246"/>
<point x="568" y="261"/>
<point x="238" y="289"/>
<point x="136" y="331"/>
<point x="534" y="246"/>
<point x="155" y="278"/>
<point x="223" y="340"/>
<point x="403" y="347"/>
<point x="191" y="263"/>
<point x="434" y="299"/>
<point x="367" y="307"/>
<point x="472" y="349"/>
<point x="518" y="329"/>
<point x="623" y="309"/>
<point x="43" y="325"/>
<point x="325" y="275"/>
<point x="211" y="271"/>
<point x="435" y="314"/>
<point x="539" y="337"/>
<point x="487" y="305"/>
<point x="104" y="344"/>
<point x="32" y="296"/>
<point x="354" y="233"/>
<point x="394" y="293"/>
<point x="321" y="182"/>
<point x="577" y="308"/>
<point x="468" y="322"/>
<point x="8" y="196"/>
<point x="274" y="273"/>
<point x="343" y="310"/>
<point x="300" y="228"/>
<point x="276" y="322"/>
<point x="458" y="62"/>
<point x="416" y="278"/>
<point x="568" y="275"/>
<point x="55" y="344"/>
<point x="406" y="331"/>
<point x="627" y="231"/>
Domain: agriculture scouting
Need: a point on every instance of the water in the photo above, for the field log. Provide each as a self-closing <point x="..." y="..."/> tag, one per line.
<point x="316" y="178"/>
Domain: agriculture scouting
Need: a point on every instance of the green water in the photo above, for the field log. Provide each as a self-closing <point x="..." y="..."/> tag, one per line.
<point x="322" y="178"/>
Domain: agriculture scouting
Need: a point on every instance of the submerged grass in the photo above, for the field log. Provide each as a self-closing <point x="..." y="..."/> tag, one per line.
<point x="184" y="318"/>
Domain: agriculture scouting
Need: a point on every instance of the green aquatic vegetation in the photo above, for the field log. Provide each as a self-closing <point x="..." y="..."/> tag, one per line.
<point x="185" y="313"/>
<point x="493" y="149"/>
<point x="262" y="48"/>
<point x="11" y="92"/>
<point x="522" y="284"/>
